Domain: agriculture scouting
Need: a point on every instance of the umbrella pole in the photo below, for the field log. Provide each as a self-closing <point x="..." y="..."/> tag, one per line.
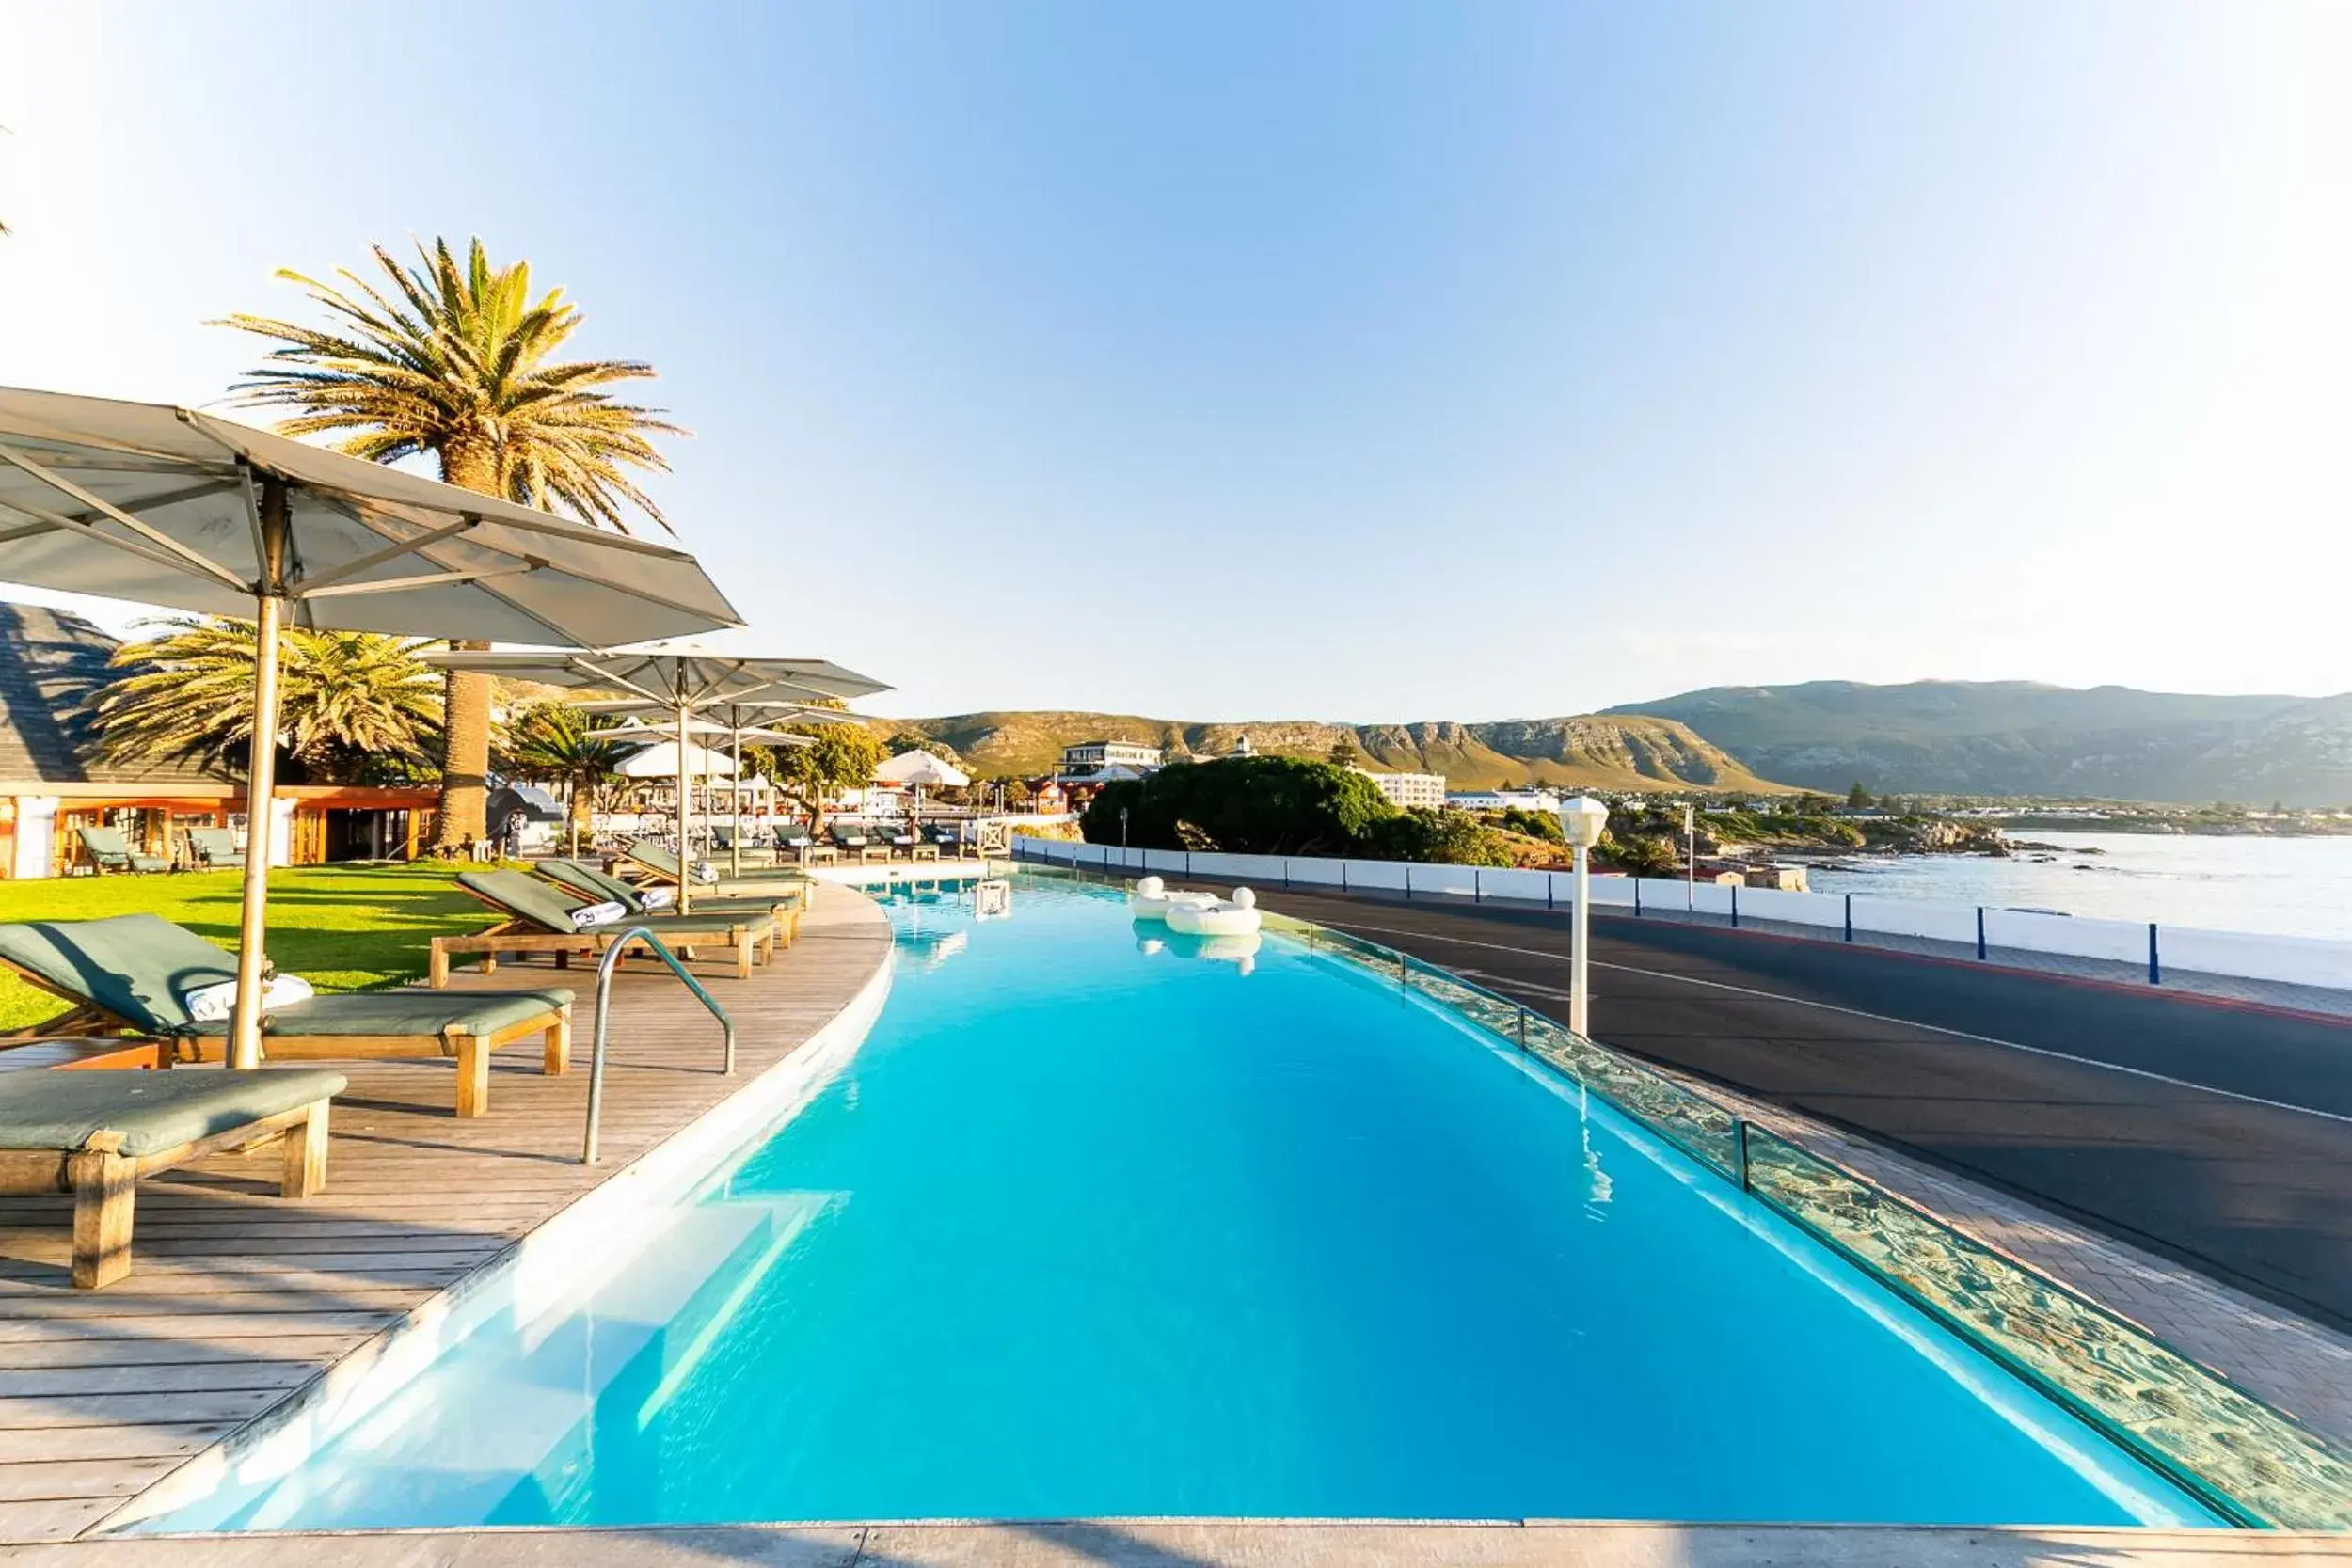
<point x="734" y="846"/>
<point x="685" y="818"/>
<point x="244" y="1027"/>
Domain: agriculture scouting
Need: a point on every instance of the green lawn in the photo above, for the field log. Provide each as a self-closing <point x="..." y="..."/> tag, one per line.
<point x="340" y="927"/>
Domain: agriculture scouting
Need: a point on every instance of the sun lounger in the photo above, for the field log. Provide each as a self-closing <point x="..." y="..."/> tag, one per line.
<point x="215" y="849"/>
<point x="858" y="841"/>
<point x="130" y="971"/>
<point x="109" y="852"/>
<point x="95" y="1134"/>
<point x="802" y="845"/>
<point x="657" y="864"/>
<point x="539" y="919"/>
<point x="601" y="887"/>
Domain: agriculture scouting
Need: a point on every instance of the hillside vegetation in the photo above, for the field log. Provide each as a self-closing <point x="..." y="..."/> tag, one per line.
<point x="1589" y="751"/>
<point x="2019" y="738"/>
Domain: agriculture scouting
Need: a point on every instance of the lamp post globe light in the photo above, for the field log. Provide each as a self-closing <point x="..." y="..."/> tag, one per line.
<point x="1582" y="820"/>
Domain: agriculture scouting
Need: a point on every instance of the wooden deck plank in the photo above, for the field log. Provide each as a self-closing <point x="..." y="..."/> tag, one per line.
<point x="237" y="1297"/>
<point x="52" y="1479"/>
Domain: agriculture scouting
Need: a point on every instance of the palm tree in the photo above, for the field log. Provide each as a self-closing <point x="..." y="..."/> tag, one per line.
<point x="350" y="701"/>
<point x="456" y="362"/>
<point x="550" y="741"/>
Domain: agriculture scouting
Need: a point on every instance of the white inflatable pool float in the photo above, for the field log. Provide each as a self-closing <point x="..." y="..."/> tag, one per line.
<point x="1233" y="917"/>
<point x="1151" y="900"/>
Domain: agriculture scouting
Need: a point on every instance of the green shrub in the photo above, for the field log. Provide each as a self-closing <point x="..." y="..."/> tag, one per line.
<point x="1241" y="805"/>
<point x="1448" y="837"/>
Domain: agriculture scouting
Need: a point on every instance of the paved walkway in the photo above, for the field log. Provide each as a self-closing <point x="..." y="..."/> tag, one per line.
<point x="238" y="1299"/>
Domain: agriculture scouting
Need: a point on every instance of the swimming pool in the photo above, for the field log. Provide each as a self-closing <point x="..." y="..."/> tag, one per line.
<point x="1099" y="1222"/>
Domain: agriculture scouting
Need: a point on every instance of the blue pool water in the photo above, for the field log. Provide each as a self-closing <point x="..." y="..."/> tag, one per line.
<point x="1098" y="1226"/>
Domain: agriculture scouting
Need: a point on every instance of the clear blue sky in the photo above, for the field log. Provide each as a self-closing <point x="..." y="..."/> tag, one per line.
<point x="1350" y="360"/>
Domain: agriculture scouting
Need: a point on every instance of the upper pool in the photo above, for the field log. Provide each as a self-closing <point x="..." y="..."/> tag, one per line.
<point x="1094" y="1224"/>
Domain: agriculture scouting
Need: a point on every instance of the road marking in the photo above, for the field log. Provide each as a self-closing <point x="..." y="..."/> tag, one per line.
<point x="1858" y="1012"/>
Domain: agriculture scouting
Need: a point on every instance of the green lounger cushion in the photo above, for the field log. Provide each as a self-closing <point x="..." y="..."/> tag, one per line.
<point x="595" y="885"/>
<point x="588" y="881"/>
<point x="154" y="1111"/>
<point x="551" y="906"/>
<point x="136" y="966"/>
<point x="664" y="863"/>
<point x="408" y="1012"/>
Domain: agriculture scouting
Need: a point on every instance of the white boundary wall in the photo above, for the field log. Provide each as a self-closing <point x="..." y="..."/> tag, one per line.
<point x="2289" y="960"/>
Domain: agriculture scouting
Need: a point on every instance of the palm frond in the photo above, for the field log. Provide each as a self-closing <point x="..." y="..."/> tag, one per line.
<point x="446" y="353"/>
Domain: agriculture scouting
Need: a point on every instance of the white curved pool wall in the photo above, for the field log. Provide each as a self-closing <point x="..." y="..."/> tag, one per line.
<point x="2287" y="961"/>
<point x="530" y="1286"/>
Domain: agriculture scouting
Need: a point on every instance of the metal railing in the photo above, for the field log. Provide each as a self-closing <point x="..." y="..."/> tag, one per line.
<point x="611" y="960"/>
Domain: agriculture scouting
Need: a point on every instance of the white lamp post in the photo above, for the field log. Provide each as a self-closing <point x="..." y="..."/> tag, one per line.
<point x="1581" y="819"/>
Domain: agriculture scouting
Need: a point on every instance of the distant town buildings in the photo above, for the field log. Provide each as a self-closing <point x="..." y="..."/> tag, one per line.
<point x="1546" y="800"/>
<point x="1407" y="791"/>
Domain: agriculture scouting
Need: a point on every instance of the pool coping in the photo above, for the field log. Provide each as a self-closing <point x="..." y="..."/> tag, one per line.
<point x="1178" y="1543"/>
<point x="542" y="1264"/>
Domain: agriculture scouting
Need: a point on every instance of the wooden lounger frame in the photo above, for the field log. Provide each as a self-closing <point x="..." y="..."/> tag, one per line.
<point x="470" y="1051"/>
<point x="102" y="1179"/>
<point x="751" y="941"/>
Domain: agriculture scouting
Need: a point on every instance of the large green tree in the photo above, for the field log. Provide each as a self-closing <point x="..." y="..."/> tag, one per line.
<point x="838" y="757"/>
<point x="354" y="707"/>
<point x="1244" y="805"/>
<point x="456" y="361"/>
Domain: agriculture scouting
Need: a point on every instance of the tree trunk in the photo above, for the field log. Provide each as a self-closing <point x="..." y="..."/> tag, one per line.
<point x="464" y="804"/>
<point x="579" y="804"/>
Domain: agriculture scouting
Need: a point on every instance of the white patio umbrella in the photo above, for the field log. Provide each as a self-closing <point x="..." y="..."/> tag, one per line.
<point x="739" y="721"/>
<point x="662" y="760"/>
<point x="167" y="506"/>
<point x="683" y="679"/>
<point x="920" y="769"/>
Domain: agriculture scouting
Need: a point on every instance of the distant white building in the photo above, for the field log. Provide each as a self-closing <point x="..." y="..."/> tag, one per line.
<point x="1242" y="747"/>
<point x="1407" y="791"/>
<point x="1096" y="762"/>
<point x="1546" y="800"/>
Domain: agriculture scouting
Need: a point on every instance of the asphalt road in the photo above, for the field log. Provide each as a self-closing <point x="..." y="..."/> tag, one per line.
<point x="2217" y="1134"/>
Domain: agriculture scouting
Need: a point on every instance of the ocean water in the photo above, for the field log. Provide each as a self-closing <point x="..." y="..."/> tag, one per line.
<point x="2299" y="887"/>
<point x="1099" y="1222"/>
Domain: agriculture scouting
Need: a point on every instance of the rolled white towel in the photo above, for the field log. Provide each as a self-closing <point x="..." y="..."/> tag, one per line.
<point x="657" y="898"/>
<point x="212" y="1003"/>
<point x="706" y="872"/>
<point x="598" y="914"/>
<point x="284" y="991"/>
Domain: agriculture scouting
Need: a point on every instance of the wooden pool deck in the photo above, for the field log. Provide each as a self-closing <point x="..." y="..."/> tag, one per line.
<point x="237" y="1299"/>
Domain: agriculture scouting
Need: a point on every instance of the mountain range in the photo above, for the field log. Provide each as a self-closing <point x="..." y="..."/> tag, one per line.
<point x="2020" y="737"/>
<point x="1591" y="751"/>
<point x="1987" y="738"/>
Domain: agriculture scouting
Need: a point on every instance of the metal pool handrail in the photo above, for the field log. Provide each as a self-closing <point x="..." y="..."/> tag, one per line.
<point x="611" y="962"/>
